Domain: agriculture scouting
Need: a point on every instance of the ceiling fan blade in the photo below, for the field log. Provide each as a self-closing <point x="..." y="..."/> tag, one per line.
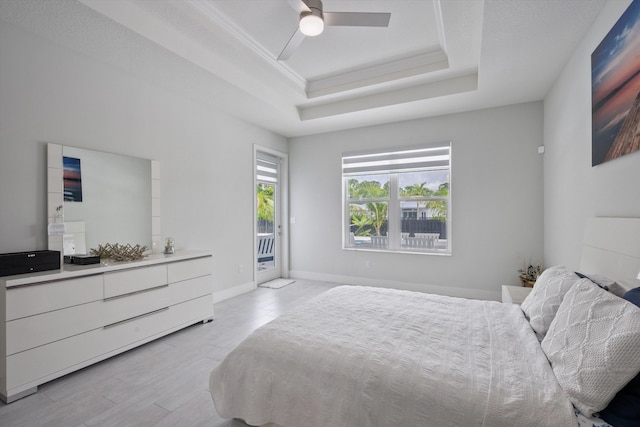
<point x="292" y="45"/>
<point x="298" y="5"/>
<point x="357" y="19"/>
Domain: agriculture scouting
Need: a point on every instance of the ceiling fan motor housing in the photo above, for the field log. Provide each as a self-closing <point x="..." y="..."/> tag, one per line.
<point x="314" y="4"/>
<point x="313" y="20"/>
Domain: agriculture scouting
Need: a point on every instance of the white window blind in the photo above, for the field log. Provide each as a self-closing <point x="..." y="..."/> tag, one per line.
<point x="430" y="158"/>
<point x="266" y="168"/>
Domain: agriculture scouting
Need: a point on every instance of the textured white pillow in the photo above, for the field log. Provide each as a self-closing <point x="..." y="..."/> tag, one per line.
<point x="541" y="304"/>
<point x="593" y="345"/>
<point x="607" y="284"/>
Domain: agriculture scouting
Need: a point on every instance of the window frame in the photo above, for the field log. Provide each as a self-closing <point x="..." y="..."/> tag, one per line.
<point x="394" y="203"/>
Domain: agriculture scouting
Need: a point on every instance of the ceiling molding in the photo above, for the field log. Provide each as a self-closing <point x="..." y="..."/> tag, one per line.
<point x="409" y="66"/>
<point x="437" y="10"/>
<point x="220" y="19"/>
<point x="365" y="76"/>
<point x="131" y="14"/>
<point x="450" y="86"/>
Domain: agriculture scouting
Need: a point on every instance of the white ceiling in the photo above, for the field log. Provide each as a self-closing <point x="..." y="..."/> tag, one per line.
<point x="435" y="57"/>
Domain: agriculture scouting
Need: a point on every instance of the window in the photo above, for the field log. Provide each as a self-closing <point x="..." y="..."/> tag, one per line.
<point x="398" y="200"/>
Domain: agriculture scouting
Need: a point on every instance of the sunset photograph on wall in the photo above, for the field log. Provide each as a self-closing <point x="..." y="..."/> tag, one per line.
<point x="615" y="90"/>
<point x="72" y="179"/>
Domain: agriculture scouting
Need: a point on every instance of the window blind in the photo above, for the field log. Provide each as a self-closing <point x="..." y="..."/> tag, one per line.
<point x="410" y="159"/>
<point x="266" y="168"/>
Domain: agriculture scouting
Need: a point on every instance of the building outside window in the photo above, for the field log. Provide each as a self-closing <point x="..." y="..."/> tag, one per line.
<point x="398" y="201"/>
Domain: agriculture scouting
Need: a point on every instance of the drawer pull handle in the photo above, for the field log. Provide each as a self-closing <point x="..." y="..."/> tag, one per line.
<point x="111" y="325"/>
<point x="48" y="282"/>
<point x="136" y="292"/>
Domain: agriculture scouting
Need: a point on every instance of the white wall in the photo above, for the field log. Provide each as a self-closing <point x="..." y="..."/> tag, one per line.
<point x="496" y="203"/>
<point x="88" y="82"/>
<point x="573" y="190"/>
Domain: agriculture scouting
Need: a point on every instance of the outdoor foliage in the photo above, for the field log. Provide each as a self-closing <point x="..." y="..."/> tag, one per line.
<point x="265" y="202"/>
<point x="361" y="219"/>
<point x="375" y="213"/>
<point x="372" y="213"/>
<point x="437" y="207"/>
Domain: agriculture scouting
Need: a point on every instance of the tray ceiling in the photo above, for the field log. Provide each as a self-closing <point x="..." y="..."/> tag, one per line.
<point x="435" y="57"/>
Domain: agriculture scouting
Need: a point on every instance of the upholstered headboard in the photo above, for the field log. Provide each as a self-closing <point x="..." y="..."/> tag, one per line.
<point x="611" y="247"/>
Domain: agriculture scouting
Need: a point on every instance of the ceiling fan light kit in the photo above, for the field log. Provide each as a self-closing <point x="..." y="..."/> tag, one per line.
<point x="311" y="23"/>
<point x="313" y="20"/>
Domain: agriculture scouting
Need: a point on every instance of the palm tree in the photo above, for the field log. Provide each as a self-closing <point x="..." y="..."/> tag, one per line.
<point x="361" y="219"/>
<point x="439" y="207"/>
<point x="377" y="211"/>
<point x="266" y="209"/>
<point x="415" y="190"/>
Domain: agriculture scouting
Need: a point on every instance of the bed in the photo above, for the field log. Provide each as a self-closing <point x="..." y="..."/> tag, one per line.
<point x="364" y="356"/>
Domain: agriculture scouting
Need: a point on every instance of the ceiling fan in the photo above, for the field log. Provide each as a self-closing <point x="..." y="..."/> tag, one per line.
<point x="313" y="20"/>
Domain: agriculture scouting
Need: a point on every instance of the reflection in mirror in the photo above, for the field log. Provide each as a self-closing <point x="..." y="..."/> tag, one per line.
<point x="107" y="199"/>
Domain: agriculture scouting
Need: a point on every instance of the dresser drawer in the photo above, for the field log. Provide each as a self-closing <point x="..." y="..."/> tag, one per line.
<point x="184" y="270"/>
<point x="45" y="362"/>
<point x="28" y="300"/>
<point x="190" y="289"/>
<point x="134" y="280"/>
<point x="34" y="331"/>
<point x="129" y="306"/>
<point x="39" y="362"/>
<point x="156" y="324"/>
<point x="191" y="311"/>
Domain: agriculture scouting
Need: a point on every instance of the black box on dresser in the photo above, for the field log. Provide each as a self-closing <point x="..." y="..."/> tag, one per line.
<point x="28" y="262"/>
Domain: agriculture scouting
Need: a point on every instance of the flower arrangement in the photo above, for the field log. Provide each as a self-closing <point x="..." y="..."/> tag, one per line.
<point x="529" y="275"/>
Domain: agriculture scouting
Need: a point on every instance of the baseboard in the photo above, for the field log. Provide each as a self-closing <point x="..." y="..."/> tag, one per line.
<point x="408" y="286"/>
<point x="233" y="291"/>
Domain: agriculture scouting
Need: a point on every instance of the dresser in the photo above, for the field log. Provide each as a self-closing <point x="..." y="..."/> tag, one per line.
<point x="54" y="323"/>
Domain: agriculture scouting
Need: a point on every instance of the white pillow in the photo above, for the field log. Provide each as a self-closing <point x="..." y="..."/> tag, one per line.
<point x="593" y="345"/>
<point x="541" y="304"/>
<point x="605" y="283"/>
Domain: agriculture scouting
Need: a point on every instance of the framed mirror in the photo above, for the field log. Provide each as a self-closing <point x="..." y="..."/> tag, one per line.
<point x="101" y="198"/>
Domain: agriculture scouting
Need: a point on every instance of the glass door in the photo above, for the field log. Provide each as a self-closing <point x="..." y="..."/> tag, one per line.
<point x="268" y="228"/>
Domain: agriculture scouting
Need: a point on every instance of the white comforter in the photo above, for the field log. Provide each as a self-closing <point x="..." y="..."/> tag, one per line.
<point x="359" y="356"/>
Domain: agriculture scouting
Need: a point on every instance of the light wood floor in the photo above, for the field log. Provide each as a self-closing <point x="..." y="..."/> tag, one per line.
<point x="163" y="383"/>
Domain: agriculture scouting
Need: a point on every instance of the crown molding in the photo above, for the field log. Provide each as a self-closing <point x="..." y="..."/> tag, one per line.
<point x="408" y="66"/>
<point x="369" y="75"/>
<point x="207" y="9"/>
<point x="449" y="86"/>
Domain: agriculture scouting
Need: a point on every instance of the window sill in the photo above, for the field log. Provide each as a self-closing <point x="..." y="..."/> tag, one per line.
<point x="409" y="252"/>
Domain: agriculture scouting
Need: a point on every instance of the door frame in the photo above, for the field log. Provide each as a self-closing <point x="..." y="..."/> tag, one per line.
<point x="282" y="212"/>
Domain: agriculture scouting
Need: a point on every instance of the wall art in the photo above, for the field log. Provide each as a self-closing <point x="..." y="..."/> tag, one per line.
<point x="615" y="90"/>
<point x="72" y="179"/>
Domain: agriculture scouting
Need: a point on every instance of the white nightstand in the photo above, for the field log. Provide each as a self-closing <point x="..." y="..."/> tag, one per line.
<point x="514" y="294"/>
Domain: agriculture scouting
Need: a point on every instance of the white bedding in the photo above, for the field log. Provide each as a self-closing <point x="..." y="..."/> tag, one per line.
<point x="359" y="356"/>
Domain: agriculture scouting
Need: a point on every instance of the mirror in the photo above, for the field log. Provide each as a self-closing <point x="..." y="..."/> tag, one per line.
<point x="107" y="198"/>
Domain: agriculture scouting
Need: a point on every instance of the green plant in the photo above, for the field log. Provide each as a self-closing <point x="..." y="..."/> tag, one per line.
<point x="530" y="274"/>
<point x="265" y="195"/>
<point x="361" y="219"/>
<point x="376" y="211"/>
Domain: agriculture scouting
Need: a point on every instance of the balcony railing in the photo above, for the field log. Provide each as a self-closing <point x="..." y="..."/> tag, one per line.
<point x="420" y="241"/>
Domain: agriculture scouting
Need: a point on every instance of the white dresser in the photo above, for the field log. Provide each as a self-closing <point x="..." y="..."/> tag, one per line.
<point x="57" y="322"/>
